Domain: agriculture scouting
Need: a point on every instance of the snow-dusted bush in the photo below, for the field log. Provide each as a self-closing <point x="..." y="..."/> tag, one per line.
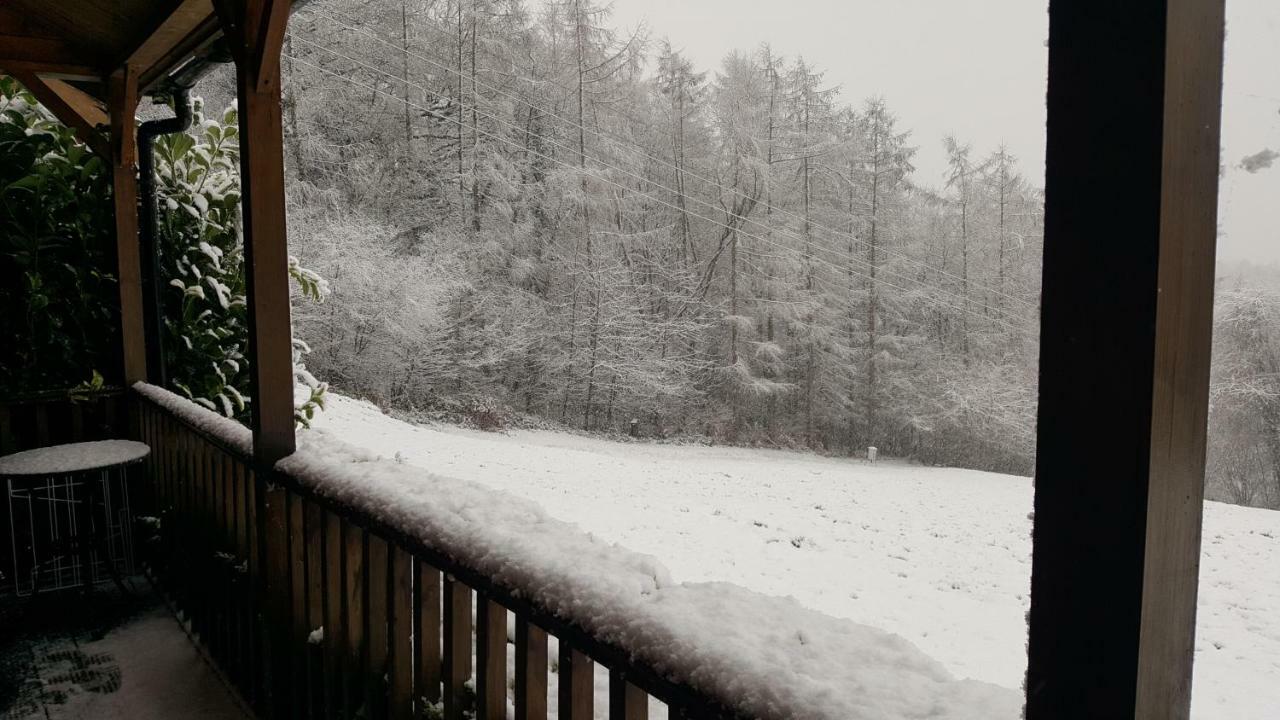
<point x="57" y="273"/>
<point x="202" y="266"/>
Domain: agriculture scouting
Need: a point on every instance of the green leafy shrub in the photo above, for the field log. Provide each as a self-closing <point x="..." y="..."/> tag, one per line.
<point x="202" y="266"/>
<point x="58" y="288"/>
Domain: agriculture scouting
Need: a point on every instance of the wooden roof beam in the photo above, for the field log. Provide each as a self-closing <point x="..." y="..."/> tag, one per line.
<point x="73" y="107"/>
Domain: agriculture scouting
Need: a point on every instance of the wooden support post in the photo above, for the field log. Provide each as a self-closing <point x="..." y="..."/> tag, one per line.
<point x="1125" y="343"/>
<point x="123" y="92"/>
<point x="255" y="32"/>
<point x="400" y="623"/>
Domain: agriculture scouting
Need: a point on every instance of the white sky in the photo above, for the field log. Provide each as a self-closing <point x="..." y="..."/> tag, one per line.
<point x="976" y="69"/>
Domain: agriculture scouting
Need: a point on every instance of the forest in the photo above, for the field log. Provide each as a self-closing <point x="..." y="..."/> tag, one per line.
<point x="524" y="211"/>
<point x="526" y="214"/>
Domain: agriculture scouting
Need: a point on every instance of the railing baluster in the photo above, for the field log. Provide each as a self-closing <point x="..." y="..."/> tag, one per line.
<point x="457" y="647"/>
<point x="7" y="442"/>
<point x="241" y="586"/>
<point x="335" y="626"/>
<point x="491" y="659"/>
<point x="221" y="569"/>
<point x="400" y="622"/>
<point x="397" y="632"/>
<point x="253" y="587"/>
<point x="222" y="539"/>
<point x="200" y="536"/>
<point x="77" y="422"/>
<point x="42" y="424"/>
<point x="277" y="601"/>
<point x="626" y="701"/>
<point x="191" y="542"/>
<point x="426" y="634"/>
<point x="301" y="628"/>
<point x="213" y="568"/>
<point x="379" y="585"/>
<point x="354" y="591"/>
<point x="313" y="521"/>
<point x="576" y="696"/>
<point x="531" y="671"/>
<point x="186" y="489"/>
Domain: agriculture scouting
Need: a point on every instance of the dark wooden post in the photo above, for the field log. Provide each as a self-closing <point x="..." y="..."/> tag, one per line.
<point x="255" y="31"/>
<point x="1130" y="223"/>
<point x="123" y="94"/>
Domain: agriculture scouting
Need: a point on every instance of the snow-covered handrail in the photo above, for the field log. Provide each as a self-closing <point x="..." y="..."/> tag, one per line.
<point x="711" y="649"/>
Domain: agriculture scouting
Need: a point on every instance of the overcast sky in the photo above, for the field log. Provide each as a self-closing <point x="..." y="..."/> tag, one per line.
<point x="976" y="69"/>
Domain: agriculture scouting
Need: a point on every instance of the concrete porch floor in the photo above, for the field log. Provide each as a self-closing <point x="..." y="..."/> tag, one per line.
<point x="104" y="657"/>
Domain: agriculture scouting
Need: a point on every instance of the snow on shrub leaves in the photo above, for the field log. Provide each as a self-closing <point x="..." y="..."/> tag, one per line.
<point x="202" y="267"/>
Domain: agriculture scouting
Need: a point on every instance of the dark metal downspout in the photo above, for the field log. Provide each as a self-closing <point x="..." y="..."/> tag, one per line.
<point x="152" y="313"/>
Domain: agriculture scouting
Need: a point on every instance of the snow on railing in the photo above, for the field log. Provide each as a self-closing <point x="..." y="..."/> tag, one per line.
<point x="704" y="648"/>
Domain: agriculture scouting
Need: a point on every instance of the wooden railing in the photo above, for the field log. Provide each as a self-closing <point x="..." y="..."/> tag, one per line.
<point x="258" y="564"/>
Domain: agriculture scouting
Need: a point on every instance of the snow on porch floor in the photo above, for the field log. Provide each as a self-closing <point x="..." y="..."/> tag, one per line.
<point x="121" y="659"/>
<point x="939" y="556"/>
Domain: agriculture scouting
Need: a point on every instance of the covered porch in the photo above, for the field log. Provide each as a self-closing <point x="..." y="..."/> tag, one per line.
<point x="327" y="584"/>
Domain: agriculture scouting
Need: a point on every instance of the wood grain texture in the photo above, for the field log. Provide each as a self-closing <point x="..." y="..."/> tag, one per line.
<point x="1125" y="326"/>
<point x="400" y="623"/>
<point x="531" y="671"/>
<point x="576" y="697"/>
<point x="379" y="638"/>
<point x="266" y="270"/>
<point x="1184" y="329"/>
<point x="313" y="520"/>
<point x="335" y="616"/>
<point x="169" y="30"/>
<point x="491" y="660"/>
<point x="73" y="107"/>
<point x="299" y="626"/>
<point x="123" y="104"/>
<point x="276" y="602"/>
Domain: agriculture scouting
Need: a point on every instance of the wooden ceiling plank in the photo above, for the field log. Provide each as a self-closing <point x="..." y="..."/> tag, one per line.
<point x="73" y="107"/>
<point x="63" y="71"/>
<point x="185" y="19"/>
<point x="44" y="54"/>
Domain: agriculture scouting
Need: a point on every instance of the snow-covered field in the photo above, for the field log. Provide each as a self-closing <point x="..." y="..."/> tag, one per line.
<point x="939" y="556"/>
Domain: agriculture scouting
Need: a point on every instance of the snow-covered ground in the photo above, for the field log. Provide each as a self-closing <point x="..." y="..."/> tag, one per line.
<point x="939" y="556"/>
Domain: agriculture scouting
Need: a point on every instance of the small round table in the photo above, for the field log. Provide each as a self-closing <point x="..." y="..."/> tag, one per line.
<point x="68" y="503"/>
